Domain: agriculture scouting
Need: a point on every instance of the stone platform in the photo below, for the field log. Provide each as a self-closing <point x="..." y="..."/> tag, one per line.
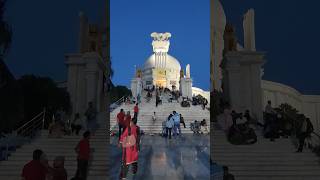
<point x="183" y="157"/>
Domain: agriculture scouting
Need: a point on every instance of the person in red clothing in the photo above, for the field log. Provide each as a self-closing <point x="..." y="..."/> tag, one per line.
<point x="83" y="150"/>
<point x="120" y="119"/>
<point x="35" y="169"/>
<point x="136" y="111"/>
<point x="58" y="170"/>
<point x="127" y="120"/>
<point x="130" y="153"/>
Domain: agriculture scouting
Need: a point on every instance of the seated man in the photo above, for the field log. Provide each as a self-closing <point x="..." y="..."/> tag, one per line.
<point x="241" y="134"/>
<point x="204" y="126"/>
<point x="58" y="171"/>
<point x="55" y="130"/>
<point x="195" y="127"/>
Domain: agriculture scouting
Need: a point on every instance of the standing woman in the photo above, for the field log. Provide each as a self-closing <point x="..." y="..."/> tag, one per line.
<point x="129" y="142"/>
<point x="127" y="120"/>
<point x="91" y="114"/>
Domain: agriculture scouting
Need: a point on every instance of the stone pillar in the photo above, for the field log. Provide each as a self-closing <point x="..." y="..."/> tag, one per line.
<point x="136" y="87"/>
<point x="186" y="87"/>
<point x="243" y="81"/>
<point x="188" y="71"/>
<point x="249" y="32"/>
<point x="232" y="80"/>
<point x="74" y="65"/>
<point x="91" y="77"/>
<point x="83" y="33"/>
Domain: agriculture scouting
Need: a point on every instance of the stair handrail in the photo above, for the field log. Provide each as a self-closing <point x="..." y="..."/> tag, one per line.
<point x="33" y="125"/>
<point x="27" y="129"/>
<point x="119" y="100"/>
<point x="116" y="104"/>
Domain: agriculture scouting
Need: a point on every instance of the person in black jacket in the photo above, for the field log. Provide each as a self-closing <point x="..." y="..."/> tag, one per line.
<point x="305" y="131"/>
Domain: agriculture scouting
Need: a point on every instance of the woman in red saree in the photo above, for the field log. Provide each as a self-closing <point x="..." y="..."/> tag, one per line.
<point x="129" y="141"/>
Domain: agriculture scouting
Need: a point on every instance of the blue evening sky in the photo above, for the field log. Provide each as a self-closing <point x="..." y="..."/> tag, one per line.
<point x="188" y="21"/>
<point x="44" y="30"/>
<point x="288" y="30"/>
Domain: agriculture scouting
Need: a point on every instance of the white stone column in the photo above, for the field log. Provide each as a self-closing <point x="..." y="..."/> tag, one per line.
<point x="74" y="63"/>
<point x="243" y="81"/>
<point x="249" y="31"/>
<point x="99" y="90"/>
<point x="134" y="83"/>
<point x="92" y="69"/>
<point x="91" y="77"/>
<point x="186" y="87"/>
<point x="136" y="87"/>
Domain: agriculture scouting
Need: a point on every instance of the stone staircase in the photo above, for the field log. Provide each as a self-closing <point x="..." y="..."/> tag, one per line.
<point x="265" y="160"/>
<point x="11" y="169"/>
<point x="146" y="110"/>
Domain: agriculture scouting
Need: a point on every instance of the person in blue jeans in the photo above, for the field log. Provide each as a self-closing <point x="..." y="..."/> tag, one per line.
<point x="169" y="126"/>
<point x="176" y="119"/>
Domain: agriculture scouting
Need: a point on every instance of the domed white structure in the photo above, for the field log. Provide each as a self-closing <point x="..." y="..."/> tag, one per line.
<point x="170" y="63"/>
<point x="161" y="69"/>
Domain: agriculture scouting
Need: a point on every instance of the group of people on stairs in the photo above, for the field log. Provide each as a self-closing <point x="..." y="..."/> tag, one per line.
<point x="39" y="168"/>
<point x="129" y="141"/>
<point x="240" y="128"/>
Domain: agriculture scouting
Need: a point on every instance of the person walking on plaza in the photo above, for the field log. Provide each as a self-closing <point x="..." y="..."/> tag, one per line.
<point x="135" y="112"/>
<point x="120" y="120"/>
<point x="169" y="126"/>
<point x="130" y="143"/>
<point x="83" y="151"/>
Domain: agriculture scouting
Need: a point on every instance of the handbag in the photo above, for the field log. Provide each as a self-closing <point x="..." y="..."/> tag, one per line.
<point x="129" y="141"/>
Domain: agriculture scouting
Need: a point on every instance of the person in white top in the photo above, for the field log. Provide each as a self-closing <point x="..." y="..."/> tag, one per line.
<point x="154" y="117"/>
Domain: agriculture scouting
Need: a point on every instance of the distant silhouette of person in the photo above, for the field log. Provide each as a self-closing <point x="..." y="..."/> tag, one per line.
<point x="83" y="151"/>
<point x="136" y="111"/>
<point x="305" y="130"/>
<point x="121" y="121"/>
<point x="226" y="174"/>
<point x="91" y="115"/>
<point x="76" y="124"/>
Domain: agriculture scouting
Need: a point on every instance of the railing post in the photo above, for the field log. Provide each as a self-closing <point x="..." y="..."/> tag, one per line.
<point x="43" y="117"/>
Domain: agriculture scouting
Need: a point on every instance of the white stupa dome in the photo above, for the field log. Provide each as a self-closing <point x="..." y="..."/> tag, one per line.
<point x="170" y="63"/>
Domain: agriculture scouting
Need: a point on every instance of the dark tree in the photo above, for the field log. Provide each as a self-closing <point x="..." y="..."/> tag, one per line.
<point x="5" y="32"/>
<point x="119" y="91"/>
<point x="40" y="93"/>
<point x="11" y="101"/>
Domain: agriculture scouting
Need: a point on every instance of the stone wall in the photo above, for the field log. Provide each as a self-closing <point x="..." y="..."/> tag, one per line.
<point x="196" y="91"/>
<point x="279" y="93"/>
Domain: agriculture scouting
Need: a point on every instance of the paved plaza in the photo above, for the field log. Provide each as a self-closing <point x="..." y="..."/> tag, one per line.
<point x="185" y="157"/>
